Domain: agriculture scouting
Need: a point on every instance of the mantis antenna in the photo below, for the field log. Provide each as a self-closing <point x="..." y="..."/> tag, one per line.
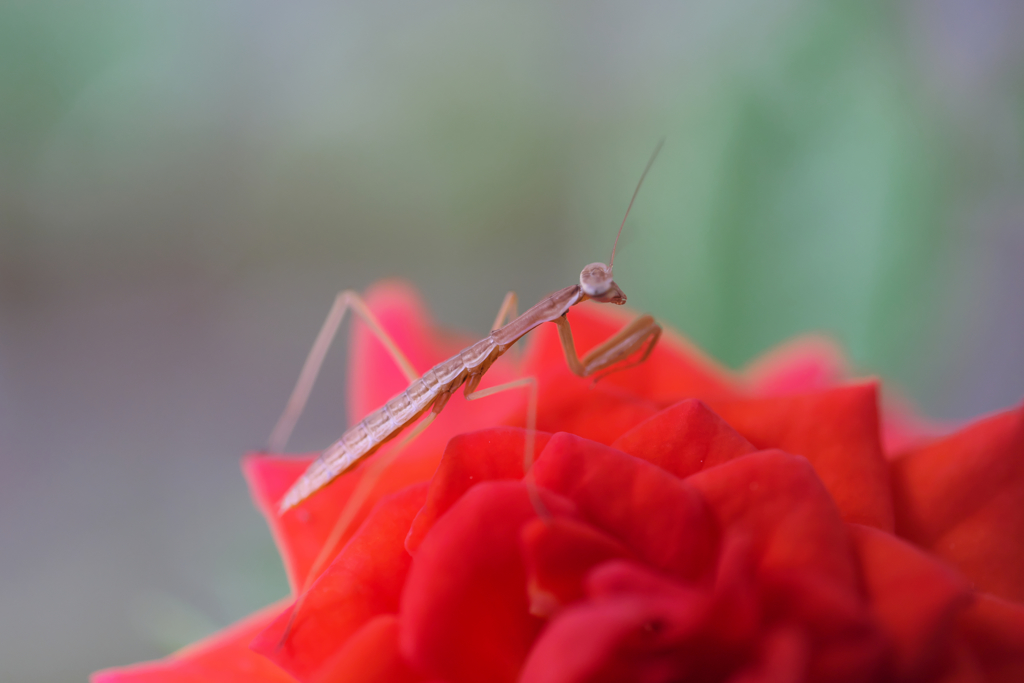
<point x="643" y="175"/>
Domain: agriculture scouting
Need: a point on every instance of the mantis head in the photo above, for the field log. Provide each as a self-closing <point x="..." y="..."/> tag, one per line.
<point x="597" y="283"/>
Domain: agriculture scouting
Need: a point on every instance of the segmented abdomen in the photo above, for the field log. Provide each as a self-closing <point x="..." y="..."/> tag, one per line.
<point x="382" y="424"/>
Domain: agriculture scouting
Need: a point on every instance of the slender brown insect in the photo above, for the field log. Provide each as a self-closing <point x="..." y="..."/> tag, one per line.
<point x="432" y="390"/>
<point x="467" y="368"/>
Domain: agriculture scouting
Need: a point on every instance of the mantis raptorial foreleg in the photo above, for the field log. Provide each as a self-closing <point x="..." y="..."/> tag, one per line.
<point x="618" y="347"/>
<point x="311" y="368"/>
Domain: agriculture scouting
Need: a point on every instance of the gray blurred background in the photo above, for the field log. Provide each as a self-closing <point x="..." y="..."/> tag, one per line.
<point x="184" y="186"/>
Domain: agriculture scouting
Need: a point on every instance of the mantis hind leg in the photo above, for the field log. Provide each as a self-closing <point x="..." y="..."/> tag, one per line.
<point x="345" y="300"/>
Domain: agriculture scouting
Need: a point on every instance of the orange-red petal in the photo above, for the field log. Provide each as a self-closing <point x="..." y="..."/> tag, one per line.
<point x="962" y="497"/>
<point x="469" y="459"/>
<point x="370" y="656"/>
<point x="364" y="581"/>
<point x="915" y="598"/>
<point x="301" y="532"/>
<point x="660" y="517"/>
<point x="994" y="631"/>
<point x="778" y="501"/>
<point x="224" y="656"/>
<point x="464" y="613"/>
<point x="800" y="365"/>
<point x="837" y="431"/>
<point x="683" y="439"/>
<point x="599" y="412"/>
<point x="636" y="626"/>
<point x="846" y="644"/>
<point x="783" y="655"/>
<point x="558" y="554"/>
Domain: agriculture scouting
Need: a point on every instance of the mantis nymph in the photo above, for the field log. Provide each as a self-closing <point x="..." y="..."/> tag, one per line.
<point x="431" y="391"/>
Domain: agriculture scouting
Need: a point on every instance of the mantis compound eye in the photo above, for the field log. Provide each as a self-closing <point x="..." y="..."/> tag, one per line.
<point x="596" y="282"/>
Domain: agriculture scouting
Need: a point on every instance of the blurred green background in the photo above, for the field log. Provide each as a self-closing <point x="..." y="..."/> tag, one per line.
<point x="184" y="186"/>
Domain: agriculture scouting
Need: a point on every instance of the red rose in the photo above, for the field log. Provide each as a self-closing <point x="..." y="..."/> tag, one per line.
<point x="705" y="526"/>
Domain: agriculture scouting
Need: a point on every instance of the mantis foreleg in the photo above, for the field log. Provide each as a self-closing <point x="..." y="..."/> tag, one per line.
<point x="618" y="347"/>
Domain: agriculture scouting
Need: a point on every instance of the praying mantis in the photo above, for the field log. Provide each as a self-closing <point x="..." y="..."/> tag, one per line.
<point x="429" y="393"/>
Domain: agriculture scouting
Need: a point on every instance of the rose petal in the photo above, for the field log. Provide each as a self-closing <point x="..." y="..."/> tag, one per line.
<point x="837" y="431"/>
<point x="370" y="656"/>
<point x="601" y="412"/>
<point x="684" y="438"/>
<point x="224" y="656"/>
<point x="737" y="614"/>
<point x="636" y="626"/>
<point x="845" y="643"/>
<point x="782" y="657"/>
<point x="658" y="516"/>
<point x="486" y="455"/>
<point x="558" y="554"/>
<point x="802" y="558"/>
<point x="626" y="577"/>
<point x="803" y="364"/>
<point x="464" y="613"/>
<point x="962" y="497"/>
<point x="301" y="532"/>
<point x="916" y="599"/>
<point x="962" y="666"/>
<point x="994" y="629"/>
<point x="365" y="580"/>
<point x="903" y="426"/>
<point x="675" y="369"/>
<point x="777" y="500"/>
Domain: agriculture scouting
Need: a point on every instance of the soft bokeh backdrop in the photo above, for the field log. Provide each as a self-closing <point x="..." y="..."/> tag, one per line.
<point x="185" y="185"/>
